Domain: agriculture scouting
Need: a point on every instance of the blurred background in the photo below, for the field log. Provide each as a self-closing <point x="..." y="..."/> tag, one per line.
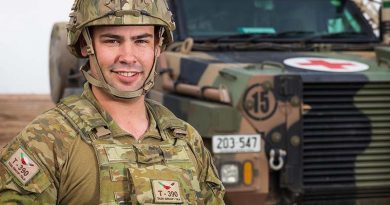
<point x="24" y="56"/>
<point x="24" y="44"/>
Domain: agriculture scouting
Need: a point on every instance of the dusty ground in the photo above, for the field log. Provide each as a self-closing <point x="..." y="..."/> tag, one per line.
<point x="16" y="111"/>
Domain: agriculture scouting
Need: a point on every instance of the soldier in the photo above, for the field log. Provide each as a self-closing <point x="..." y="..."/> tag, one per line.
<point x="111" y="145"/>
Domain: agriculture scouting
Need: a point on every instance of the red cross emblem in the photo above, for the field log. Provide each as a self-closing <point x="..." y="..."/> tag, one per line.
<point x="326" y="64"/>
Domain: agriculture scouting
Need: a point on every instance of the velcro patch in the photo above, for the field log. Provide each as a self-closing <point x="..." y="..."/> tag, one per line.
<point x="22" y="166"/>
<point x="166" y="191"/>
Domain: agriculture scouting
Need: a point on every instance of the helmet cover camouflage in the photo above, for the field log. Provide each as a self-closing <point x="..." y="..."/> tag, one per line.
<point x="86" y="13"/>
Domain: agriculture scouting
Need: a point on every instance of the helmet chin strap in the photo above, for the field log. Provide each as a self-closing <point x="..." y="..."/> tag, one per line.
<point x="101" y="81"/>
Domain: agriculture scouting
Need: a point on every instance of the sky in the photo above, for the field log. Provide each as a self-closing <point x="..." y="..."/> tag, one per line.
<point x="24" y="44"/>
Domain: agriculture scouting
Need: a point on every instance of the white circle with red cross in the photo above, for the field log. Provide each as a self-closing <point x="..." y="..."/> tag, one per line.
<point x="326" y="64"/>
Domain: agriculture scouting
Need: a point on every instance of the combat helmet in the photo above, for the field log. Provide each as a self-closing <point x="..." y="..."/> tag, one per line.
<point x="87" y="13"/>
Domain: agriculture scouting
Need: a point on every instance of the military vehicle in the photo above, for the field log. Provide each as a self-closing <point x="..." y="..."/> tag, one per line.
<point x="292" y="97"/>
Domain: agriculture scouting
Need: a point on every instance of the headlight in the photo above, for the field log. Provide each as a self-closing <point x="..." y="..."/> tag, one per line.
<point x="229" y="173"/>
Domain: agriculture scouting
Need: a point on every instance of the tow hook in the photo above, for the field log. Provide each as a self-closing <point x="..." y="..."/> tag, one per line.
<point x="276" y="165"/>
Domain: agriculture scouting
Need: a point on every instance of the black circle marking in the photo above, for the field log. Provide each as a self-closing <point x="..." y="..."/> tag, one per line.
<point x="257" y="102"/>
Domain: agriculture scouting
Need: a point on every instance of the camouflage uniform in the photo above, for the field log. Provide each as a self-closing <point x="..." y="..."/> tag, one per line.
<point x="76" y="154"/>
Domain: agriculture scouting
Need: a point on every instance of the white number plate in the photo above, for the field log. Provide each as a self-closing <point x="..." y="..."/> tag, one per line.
<point x="236" y="143"/>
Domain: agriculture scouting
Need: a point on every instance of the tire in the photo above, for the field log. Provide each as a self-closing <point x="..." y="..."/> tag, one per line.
<point x="61" y="61"/>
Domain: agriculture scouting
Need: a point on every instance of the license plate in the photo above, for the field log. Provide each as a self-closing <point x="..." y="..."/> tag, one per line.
<point x="236" y="143"/>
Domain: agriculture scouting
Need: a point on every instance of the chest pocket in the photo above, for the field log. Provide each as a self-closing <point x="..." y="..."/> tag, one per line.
<point x="113" y="163"/>
<point x="163" y="175"/>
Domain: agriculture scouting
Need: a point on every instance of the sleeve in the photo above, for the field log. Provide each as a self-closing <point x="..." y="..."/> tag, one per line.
<point x="23" y="179"/>
<point x="30" y="165"/>
<point x="212" y="189"/>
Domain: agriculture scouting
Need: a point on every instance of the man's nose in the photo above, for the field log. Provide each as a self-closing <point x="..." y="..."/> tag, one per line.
<point x="127" y="54"/>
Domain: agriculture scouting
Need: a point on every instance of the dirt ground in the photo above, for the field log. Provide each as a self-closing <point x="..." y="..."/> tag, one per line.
<point x="16" y="111"/>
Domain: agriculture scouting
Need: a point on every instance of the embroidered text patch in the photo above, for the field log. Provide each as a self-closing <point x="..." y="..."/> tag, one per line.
<point x="21" y="165"/>
<point x="166" y="191"/>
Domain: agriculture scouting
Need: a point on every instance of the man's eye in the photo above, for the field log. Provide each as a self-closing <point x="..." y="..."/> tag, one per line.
<point x="111" y="41"/>
<point x="140" y="41"/>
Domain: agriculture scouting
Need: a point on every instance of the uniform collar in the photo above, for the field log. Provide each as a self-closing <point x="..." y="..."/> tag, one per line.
<point x="116" y="131"/>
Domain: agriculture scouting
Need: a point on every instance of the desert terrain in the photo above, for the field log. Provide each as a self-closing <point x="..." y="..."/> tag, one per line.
<point x="16" y="111"/>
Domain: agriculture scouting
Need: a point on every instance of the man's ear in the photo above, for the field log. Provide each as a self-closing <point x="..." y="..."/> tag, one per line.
<point x="157" y="51"/>
<point x="83" y="51"/>
<point x="83" y="48"/>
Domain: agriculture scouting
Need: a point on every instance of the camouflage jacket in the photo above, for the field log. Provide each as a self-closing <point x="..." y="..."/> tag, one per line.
<point x="51" y="162"/>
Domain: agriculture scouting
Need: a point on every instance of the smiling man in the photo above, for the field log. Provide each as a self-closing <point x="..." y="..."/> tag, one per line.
<point x="111" y="145"/>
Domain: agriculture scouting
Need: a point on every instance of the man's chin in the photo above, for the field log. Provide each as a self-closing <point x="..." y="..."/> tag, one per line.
<point x="128" y="89"/>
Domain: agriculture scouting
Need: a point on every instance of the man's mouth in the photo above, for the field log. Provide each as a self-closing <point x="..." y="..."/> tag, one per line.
<point x="127" y="77"/>
<point x="127" y="74"/>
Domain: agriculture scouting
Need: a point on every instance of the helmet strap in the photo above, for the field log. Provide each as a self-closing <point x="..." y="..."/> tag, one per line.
<point x="101" y="81"/>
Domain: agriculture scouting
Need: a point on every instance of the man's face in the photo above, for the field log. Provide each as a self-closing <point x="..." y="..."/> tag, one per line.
<point x="125" y="54"/>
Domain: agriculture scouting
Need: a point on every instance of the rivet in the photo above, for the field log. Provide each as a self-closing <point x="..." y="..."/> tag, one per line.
<point x="276" y="137"/>
<point x="295" y="140"/>
<point x="295" y="101"/>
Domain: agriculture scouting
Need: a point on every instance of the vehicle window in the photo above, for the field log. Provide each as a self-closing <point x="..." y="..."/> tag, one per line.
<point x="207" y="18"/>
